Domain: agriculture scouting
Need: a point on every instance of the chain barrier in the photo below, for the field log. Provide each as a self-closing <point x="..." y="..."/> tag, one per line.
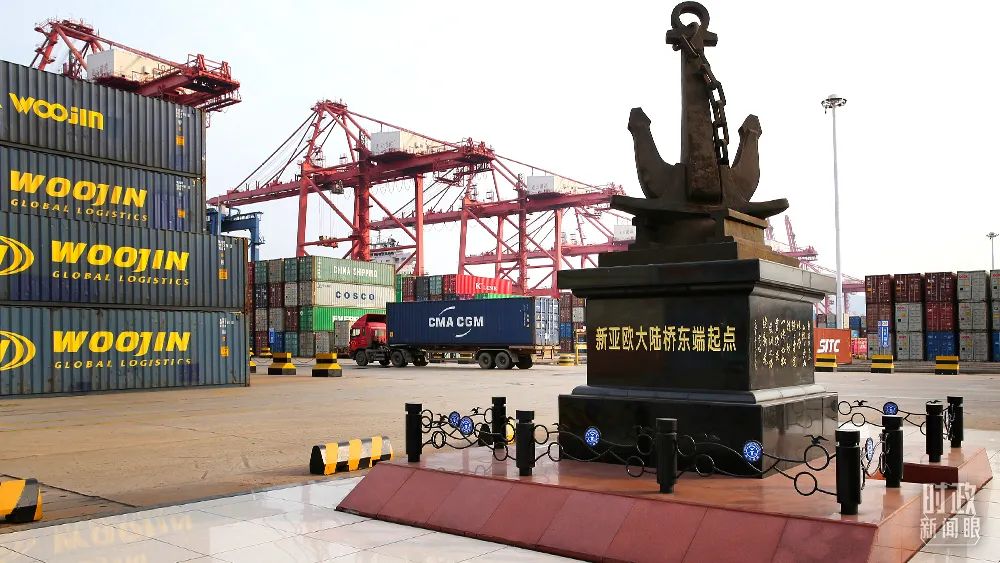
<point x="461" y="432"/>
<point x="633" y="460"/>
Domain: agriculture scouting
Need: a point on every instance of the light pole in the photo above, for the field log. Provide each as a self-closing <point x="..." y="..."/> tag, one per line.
<point x="832" y="102"/>
<point x="991" y="235"/>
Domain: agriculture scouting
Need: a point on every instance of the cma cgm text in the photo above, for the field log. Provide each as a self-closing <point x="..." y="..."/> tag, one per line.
<point x="45" y="109"/>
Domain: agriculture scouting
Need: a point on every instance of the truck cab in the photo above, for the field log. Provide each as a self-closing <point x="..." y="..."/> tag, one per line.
<point x="367" y="332"/>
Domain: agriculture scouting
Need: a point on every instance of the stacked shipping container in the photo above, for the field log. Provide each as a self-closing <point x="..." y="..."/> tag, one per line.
<point x="908" y="309"/>
<point x="940" y="314"/>
<point x="103" y="215"/>
<point x="974" y="316"/>
<point x="879" y="293"/>
<point x="572" y="317"/>
<point x="995" y="315"/>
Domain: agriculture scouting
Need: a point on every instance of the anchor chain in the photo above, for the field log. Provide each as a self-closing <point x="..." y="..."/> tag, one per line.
<point x="718" y="99"/>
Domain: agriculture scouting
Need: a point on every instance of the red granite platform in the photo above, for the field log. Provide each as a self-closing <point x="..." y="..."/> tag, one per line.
<point x="965" y="465"/>
<point x="595" y="512"/>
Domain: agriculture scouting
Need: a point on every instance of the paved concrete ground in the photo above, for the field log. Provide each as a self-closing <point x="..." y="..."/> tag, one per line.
<point x="151" y="448"/>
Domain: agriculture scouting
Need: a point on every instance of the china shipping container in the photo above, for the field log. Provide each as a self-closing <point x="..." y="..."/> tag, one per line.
<point x="974" y="346"/>
<point x="941" y="316"/>
<point x="973" y="286"/>
<point x="336" y="294"/>
<point x="940" y="286"/>
<point x="82" y="263"/>
<point x="910" y="346"/>
<point x="909" y="317"/>
<point x="56" y="186"/>
<point x="878" y="289"/>
<point x="941" y="343"/>
<point x="48" y="111"/>
<point x="79" y="350"/>
<point x="527" y="321"/>
<point x="322" y="319"/>
<point x="908" y="288"/>
<point x="322" y="268"/>
<point x="973" y="316"/>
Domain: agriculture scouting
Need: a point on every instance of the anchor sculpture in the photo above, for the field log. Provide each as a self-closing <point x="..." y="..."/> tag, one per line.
<point x="685" y="201"/>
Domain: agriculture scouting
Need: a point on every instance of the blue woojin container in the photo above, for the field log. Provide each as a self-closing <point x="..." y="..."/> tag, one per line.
<point x="941" y="344"/>
<point x="528" y="321"/>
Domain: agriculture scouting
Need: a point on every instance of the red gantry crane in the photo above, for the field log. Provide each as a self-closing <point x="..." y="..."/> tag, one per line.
<point x="534" y="218"/>
<point x="807" y="260"/>
<point x="198" y="83"/>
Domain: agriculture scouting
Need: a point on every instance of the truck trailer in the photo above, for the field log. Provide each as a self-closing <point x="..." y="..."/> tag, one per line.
<point x="500" y="333"/>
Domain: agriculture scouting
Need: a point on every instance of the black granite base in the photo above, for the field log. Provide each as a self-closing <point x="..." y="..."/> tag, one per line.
<point x="784" y="421"/>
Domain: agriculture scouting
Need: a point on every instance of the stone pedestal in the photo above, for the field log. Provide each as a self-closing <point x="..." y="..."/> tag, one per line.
<point x="723" y="346"/>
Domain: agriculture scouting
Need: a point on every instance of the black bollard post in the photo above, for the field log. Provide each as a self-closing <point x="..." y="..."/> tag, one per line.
<point x="892" y="444"/>
<point x="666" y="453"/>
<point x="957" y="416"/>
<point x="499" y="422"/>
<point x="414" y="434"/>
<point x="524" y="442"/>
<point x="849" y="470"/>
<point x="935" y="431"/>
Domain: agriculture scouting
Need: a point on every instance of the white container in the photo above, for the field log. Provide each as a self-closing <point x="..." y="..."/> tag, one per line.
<point x="973" y="346"/>
<point x="341" y="334"/>
<point x="122" y="64"/>
<point x="336" y="294"/>
<point x="973" y="286"/>
<point x="275" y="319"/>
<point x="551" y="185"/>
<point x="624" y="233"/>
<point x="995" y="285"/>
<point x="910" y="346"/>
<point x="909" y="317"/>
<point x="398" y="141"/>
<point x="260" y="318"/>
<point x="973" y="316"/>
<point x="291" y="294"/>
<point x="579" y="314"/>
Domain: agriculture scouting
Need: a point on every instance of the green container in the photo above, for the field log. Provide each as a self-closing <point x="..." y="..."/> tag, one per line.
<point x="260" y="272"/>
<point x="292" y="343"/>
<point x="291" y="269"/>
<point x="321" y="319"/>
<point x="321" y="268"/>
<point x="494" y="296"/>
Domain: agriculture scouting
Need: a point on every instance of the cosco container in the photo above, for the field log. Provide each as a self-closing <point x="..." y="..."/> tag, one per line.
<point x="335" y="294"/>
<point x="908" y="288"/>
<point x="48" y="111"/>
<point x="973" y="286"/>
<point x="940" y="286"/>
<point x="878" y="289"/>
<point x="79" y="350"/>
<point x="321" y="268"/>
<point x="322" y="319"/>
<point x="72" y="188"/>
<point x="973" y="316"/>
<point x="81" y="263"/>
<point x="527" y="321"/>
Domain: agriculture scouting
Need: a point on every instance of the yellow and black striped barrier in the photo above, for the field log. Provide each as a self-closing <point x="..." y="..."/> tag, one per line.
<point x="264" y="353"/>
<point x="326" y="366"/>
<point x="882" y="363"/>
<point x="567" y="359"/>
<point x="946" y="365"/>
<point x="282" y="364"/>
<point x="327" y="459"/>
<point x="826" y="362"/>
<point x="20" y="501"/>
<point x="466" y="358"/>
<point x="253" y="364"/>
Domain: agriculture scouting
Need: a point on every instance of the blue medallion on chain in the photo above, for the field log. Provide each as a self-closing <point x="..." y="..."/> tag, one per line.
<point x="592" y="436"/>
<point x="890" y="408"/>
<point x="752" y="451"/>
<point x="869" y="448"/>
<point x="465" y="426"/>
<point x="454" y="418"/>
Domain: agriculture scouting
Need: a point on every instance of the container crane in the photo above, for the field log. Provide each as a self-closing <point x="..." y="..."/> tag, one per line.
<point x="198" y="83"/>
<point x="444" y="178"/>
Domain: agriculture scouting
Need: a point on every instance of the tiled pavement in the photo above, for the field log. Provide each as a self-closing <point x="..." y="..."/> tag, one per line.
<point x="299" y="524"/>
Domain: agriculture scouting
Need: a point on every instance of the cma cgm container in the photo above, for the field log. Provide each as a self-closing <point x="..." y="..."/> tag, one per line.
<point x="86" y="190"/>
<point x="321" y="268"/>
<point x="79" y="263"/>
<point x="43" y="110"/>
<point x="500" y="332"/>
<point x="77" y="350"/>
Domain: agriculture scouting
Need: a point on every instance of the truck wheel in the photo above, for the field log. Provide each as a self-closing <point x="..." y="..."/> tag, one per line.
<point x="504" y="361"/>
<point x="361" y="358"/>
<point x="420" y="361"/>
<point x="383" y="363"/>
<point x="485" y="360"/>
<point x="525" y="362"/>
<point x="398" y="359"/>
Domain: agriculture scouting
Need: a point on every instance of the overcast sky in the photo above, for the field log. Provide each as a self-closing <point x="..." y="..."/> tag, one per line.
<point x="551" y="83"/>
